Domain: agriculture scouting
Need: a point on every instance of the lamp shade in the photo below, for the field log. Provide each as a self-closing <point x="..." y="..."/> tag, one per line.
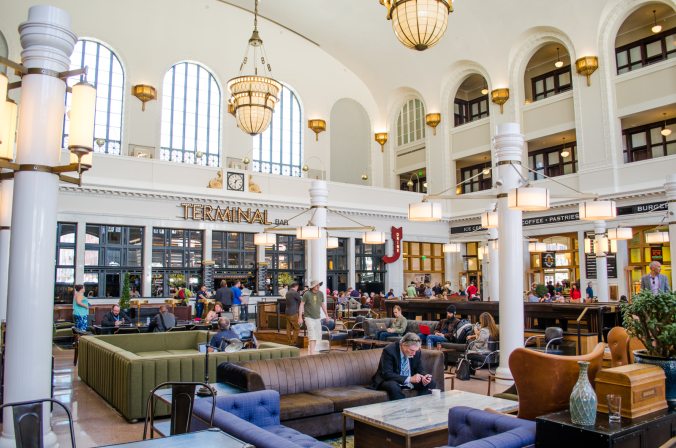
<point x="308" y="233"/>
<point x="657" y="237"/>
<point x="374" y="237"/>
<point x="424" y="211"/>
<point x="82" y="106"/>
<point x="331" y="242"/>
<point x="480" y="252"/>
<point x="265" y="239"/>
<point x="8" y="115"/>
<point x="528" y="199"/>
<point x="537" y="247"/>
<point x="613" y="246"/>
<point x="620" y="233"/>
<point x="597" y="210"/>
<point x="419" y="24"/>
<point x="254" y="99"/>
<point x="489" y="220"/>
<point x="451" y="248"/>
<point x="588" y="246"/>
<point x="4" y="81"/>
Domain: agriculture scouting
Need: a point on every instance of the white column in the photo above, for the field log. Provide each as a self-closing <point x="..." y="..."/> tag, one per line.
<point x="48" y="43"/>
<point x="670" y="189"/>
<point x="146" y="285"/>
<point x="508" y="149"/>
<point x="602" y="292"/>
<point x="394" y="277"/>
<point x="6" y="193"/>
<point x="319" y="195"/>
<point x="583" y="259"/>
<point x="493" y="292"/>
<point x="351" y="263"/>
<point x="80" y="241"/>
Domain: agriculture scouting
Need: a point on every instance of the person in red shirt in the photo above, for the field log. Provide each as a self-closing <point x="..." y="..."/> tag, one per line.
<point x="471" y="290"/>
<point x="574" y="294"/>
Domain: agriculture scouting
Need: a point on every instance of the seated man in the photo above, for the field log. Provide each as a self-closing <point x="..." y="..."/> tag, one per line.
<point x="397" y="327"/>
<point x="224" y="333"/>
<point x="115" y="317"/>
<point x="445" y="329"/>
<point x="163" y="321"/>
<point x="400" y="368"/>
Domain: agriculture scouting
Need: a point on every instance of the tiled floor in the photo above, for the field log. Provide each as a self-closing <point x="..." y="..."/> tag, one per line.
<point x="96" y="423"/>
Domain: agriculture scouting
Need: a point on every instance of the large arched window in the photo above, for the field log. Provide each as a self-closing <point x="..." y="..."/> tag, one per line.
<point x="411" y="122"/>
<point x="106" y="74"/>
<point x="279" y="150"/>
<point x="191" y="115"/>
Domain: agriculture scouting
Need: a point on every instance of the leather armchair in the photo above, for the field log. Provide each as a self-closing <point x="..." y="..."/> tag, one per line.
<point x="473" y="428"/>
<point x="544" y="381"/>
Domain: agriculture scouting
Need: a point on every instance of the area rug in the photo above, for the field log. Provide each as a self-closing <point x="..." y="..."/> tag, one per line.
<point x="338" y="442"/>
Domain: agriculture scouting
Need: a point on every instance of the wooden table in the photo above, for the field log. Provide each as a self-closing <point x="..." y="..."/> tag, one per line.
<point x="211" y="438"/>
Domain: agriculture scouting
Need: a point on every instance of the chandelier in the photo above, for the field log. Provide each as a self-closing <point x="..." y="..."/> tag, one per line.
<point x="253" y="97"/>
<point x="418" y="24"/>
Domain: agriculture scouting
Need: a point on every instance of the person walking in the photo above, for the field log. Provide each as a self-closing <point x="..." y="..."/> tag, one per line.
<point x="80" y="309"/>
<point x="292" y="321"/>
<point x="311" y="306"/>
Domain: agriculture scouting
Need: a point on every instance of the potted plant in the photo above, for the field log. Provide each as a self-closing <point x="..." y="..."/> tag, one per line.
<point x="284" y="278"/>
<point x="125" y="297"/>
<point x="651" y="318"/>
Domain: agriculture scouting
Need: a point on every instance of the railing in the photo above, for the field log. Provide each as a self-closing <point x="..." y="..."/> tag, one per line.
<point x="579" y="336"/>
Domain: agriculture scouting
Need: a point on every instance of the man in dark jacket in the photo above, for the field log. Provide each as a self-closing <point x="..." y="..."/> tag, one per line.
<point x="115" y="317"/>
<point x="162" y="321"/>
<point x="224" y="295"/>
<point x="401" y="368"/>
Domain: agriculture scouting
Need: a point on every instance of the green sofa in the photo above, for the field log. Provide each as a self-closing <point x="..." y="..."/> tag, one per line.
<point x="123" y="369"/>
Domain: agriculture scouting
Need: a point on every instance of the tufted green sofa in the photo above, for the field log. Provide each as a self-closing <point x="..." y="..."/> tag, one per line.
<point x="124" y="368"/>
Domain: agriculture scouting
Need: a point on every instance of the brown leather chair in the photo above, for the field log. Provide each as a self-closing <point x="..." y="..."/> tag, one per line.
<point x="544" y="382"/>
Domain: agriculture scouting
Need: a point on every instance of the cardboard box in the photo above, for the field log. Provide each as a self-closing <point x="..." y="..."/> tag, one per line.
<point x="641" y="386"/>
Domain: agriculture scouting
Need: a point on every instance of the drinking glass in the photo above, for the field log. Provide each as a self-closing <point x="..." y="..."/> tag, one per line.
<point x="614" y="406"/>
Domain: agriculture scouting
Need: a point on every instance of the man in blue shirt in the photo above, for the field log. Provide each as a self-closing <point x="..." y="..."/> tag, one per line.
<point x="236" y="300"/>
<point x="224" y="334"/>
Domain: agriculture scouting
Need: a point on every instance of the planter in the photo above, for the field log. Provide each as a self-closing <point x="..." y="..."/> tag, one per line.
<point x="669" y="367"/>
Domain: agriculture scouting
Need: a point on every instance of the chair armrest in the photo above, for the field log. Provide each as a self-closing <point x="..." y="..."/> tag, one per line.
<point x="239" y="376"/>
<point x="552" y="341"/>
<point x="260" y="408"/>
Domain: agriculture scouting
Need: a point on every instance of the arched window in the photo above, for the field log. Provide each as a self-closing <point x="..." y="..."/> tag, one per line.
<point x="191" y="115"/>
<point x="279" y="150"/>
<point x="106" y="74"/>
<point x="411" y="122"/>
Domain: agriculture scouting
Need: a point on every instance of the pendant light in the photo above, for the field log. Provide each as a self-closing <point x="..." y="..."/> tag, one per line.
<point x="620" y="233"/>
<point x="656" y="237"/>
<point x="308" y="232"/>
<point x="418" y="24"/>
<point x="597" y="210"/>
<point x="484" y="90"/>
<point x="331" y="242"/>
<point x="528" y="199"/>
<point x="559" y="62"/>
<point x="665" y="130"/>
<point x="451" y="248"/>
<point x="537" y="247"/>
<point x="424" y="211"/>
<point x="265" y="239"/>
<point x="374" y="237"/>
<point x="656" y="28"/>
<point x="564" y="153"/>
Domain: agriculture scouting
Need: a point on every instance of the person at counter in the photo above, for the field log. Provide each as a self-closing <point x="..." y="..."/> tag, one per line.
<point x="224" y="295"/>
<point x="115" y="317"/>
<point x="236" y="299"/>
<point x="411" y="292"/>
<point x="201" y="296"/>
<point x="589" y="291"/>
<point x="472" y="290"/>
<point x="575" y="293"/>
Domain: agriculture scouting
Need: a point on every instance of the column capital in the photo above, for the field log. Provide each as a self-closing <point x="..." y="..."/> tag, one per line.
<point x="46" y="38"/>
<point x="508" y="142"/>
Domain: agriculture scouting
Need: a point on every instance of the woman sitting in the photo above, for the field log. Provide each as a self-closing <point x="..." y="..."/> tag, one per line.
<point x="215" y="313"/>
<point x="486" y="331"/>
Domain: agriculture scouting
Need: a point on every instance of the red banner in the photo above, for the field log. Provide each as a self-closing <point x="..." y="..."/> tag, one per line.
<point x="397" y="234"/>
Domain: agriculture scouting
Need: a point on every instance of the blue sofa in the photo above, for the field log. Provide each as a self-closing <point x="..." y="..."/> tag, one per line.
<point x="253" y="417"/>
<point x="473" y="428"/>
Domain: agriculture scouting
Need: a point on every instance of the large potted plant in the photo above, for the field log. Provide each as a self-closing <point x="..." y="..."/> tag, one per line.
<point x="125" y="297"/>
<point x="651" y="318"/>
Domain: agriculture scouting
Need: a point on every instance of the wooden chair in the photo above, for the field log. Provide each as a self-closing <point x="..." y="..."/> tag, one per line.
<point x="544" y="381"/>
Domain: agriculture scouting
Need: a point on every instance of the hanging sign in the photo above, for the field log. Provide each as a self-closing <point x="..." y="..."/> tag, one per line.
<point x="548" y="260"/>
<point x="397" y="234"/>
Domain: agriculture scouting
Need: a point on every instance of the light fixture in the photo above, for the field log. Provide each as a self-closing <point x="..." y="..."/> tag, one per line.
<point x="418" y="24"/>
<point x="486" y="171"/>
<point x="528" y="199"/>
<point x="331" y="242"/>
<point x="381" y="138"/>
<point x="598" y="245"/>
<point x="308" y="233"/>
<point x="432" y="120"/>
<point x="246" y="161"/>
<point x="597" y="210"/>
<point x="559" y="62"/>
<point x="602" y="244"/>
<point x="451" y="248"/>
<point x="500" y="97"/>
<point x="586" y="66"/>
<point x="410" y="183"/>
<point x="144" y="93"/>
<point x="425" y="185"/>
<point x="484" y="90"/>
<point x="317" y="125"/>
<point x="489" y="220"/>
<point x="8" y="117"/>
<point x="665" y="130"/>
<point x="254" y="96"/>
<point x="656" y="28"/>
<point x="588" y="246"/>
<point x="620" y="233"/>
<point x="265" y="239"/>
<point x="374" y="237"/>
<point x="231" y="109"/>
<point x="564" y="153"/>
<point x="613" y="246"/>
<point x="480" y="253"/>
<point x="537" y="247"/>
<point x="656" y="237"/>
<point x="82" y="109"/>
<point x="424" y="211"/>
<point x="305" y="167"/>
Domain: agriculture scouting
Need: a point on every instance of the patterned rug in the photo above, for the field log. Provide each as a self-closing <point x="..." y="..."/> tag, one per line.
<point x="338" y="442"/>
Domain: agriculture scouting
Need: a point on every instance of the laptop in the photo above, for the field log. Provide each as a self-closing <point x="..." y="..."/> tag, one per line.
<point x="380" y="326"/>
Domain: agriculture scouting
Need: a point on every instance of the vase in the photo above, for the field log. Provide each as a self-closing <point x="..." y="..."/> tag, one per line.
<point x="669" y="367"/>
<point x="583" y="399"/>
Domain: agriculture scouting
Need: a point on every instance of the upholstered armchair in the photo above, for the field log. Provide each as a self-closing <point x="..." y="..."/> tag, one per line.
<point x="474" y="428"/>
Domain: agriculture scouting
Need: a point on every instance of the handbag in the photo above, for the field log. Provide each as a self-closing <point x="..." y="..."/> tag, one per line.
<point x="462" y="370"/>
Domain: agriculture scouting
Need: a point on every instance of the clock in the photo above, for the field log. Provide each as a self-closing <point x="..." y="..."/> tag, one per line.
<point x="235" y="181"/>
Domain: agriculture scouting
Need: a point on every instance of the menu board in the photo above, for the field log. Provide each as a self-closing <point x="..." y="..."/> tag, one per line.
<point x="590" y="263"/>
<point x="208" y="274"/>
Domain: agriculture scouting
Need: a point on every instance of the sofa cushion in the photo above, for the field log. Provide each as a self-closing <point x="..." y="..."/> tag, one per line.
<point x="467" y="425"/>
<point x="303" y="405"/>
<point x="351" y="396"/>
<point x="294" y="436"/>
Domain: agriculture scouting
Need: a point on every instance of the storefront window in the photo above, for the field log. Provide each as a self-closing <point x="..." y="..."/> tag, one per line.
<point x="176" y="260"/>
<point x="234" y="255"/>
<point x="370" y="269"/>
<point x="559" y="264"/>
<point x="423" y="263"/>
<point x="65" y="262"/>
<point x="336" y="266"/>
<point x="286" y="258"/>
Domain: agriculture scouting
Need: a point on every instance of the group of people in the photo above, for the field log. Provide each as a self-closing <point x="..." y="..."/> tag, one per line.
<point x="233" y="298"/>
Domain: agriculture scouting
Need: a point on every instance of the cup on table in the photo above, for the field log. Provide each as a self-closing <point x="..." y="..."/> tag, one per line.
<point x="436" y="393"/>
<point x="614" y="407"/>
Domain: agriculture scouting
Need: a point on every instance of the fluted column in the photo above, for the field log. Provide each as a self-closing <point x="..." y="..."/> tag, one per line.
<point x="319" y="195"/>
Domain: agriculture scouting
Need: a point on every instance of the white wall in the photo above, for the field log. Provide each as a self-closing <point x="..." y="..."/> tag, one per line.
<point x="350" y="142"/>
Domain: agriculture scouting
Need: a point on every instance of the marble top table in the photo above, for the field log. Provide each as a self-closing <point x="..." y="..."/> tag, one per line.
<point x="416" y="418"/>
<point x="211" y="438"/>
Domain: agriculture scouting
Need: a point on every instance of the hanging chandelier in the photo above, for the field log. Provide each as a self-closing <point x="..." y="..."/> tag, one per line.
<point x="253" y="97"/>
<point x="418" y="24"/>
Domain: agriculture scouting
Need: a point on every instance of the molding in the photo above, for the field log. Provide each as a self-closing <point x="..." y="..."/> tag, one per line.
<point x="652" y="68"/>
<point x="547" y="101"/>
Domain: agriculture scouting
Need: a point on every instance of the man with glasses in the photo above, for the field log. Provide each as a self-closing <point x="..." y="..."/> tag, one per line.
<point x="655" y="282"/>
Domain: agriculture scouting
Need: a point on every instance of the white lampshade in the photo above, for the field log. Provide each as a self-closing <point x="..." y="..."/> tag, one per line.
<point x="597" y="210"/>
<point x="8" y="116"/>
<point x="613" y="246"/>
<point x="265" y="239"/>
<point x="528" y="199"/>
<point x="424" y="211"/>
<point x="86" y="161"/>
<point x="489" y="220"/>
<point x="480" y="252"/>
<point x="450" y="248"/>
<point x="374" y="237"/>
<point x="331" y="242"/>
<point x="620" y="233"/>
<point x="537" y="247"/>
<point x="657" y="237"/>
<point x="666" y="132"/>
<point x="82" y="107"/>
<point x="588" y="246"/>
<point x="308" y="233"/>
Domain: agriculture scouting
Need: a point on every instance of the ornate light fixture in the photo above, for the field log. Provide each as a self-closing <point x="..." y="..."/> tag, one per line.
<point x="620" y="233"/>
<point x="451" y="248"/>
<point x="424" y="211"/>
<point x="528" y="199"/>
<point x="144" y="93"/>
<point x="317" y="127"/>
<point x="586" y="66"/>
<point x="418" y="24"/>
<point x="381" y="138"/>
<point x="433" y="120"/>
<point x="374" y="237"/>
<point x="656" y="237"/>
<point x="254" y="97"/>
<point x="265" y="239"/>
<point x="597" y="210"/>
<point x="655" y="28"/>
<point x="559" y="62"/>
<point x="500" y="97"/>
<point x="665" y="130"/>
<point x="484" y="90"/>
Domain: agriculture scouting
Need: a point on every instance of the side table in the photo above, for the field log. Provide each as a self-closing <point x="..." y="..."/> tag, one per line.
<point x="649" y="431"/>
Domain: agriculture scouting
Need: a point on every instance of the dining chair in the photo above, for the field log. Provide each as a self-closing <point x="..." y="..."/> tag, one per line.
<point x="27" y="417"/>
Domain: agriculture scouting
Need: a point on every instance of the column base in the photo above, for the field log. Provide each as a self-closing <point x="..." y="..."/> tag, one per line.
<point x="503" y="376"/>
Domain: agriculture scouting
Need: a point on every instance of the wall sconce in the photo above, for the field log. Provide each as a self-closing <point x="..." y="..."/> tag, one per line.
<point x="500" y="97"/>
<point x="433" y="120"/>
<point x="381" y="138"/>
<point x="317" y="126"/>
<point x="586" y="66"/>
<point x="231" y="108"/>
<point x="144" y="93"/>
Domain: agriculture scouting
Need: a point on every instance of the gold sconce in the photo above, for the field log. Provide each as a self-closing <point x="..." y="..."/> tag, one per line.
<point x="433" y="120"/>
<point x="231" y="108"/>
<point x="586" y="66"/>
<point x="381" y="138"/>
<point x="317" y="126"/>
<point x="144" y="93"/>
<point x="500" y="97"/>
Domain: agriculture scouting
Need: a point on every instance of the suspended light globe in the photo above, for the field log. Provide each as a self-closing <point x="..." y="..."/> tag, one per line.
<point x="451" y="248"/>
<point x="418" y="24"/>
<point x="489" y="220"/>
<point x="620" y="233"/>
<point x="657" y="237"/>
<point x="331" y="242"/>
<point x="308" y="233"/>
<point x="374" y="237"/>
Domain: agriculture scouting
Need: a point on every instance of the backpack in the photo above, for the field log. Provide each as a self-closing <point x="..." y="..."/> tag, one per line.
<point x="462" y="330"/>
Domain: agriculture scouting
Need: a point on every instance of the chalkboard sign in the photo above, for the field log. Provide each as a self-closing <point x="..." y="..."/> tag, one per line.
<point x="208" y="273"/>
<point x="261" y="276"/>
<point x="611" y="262"/>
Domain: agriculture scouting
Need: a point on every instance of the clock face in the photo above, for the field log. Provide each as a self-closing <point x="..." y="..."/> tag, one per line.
<point x="236" y="181"/>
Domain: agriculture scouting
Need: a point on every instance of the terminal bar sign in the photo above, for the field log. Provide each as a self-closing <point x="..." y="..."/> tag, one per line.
<point x="204" y="212"/>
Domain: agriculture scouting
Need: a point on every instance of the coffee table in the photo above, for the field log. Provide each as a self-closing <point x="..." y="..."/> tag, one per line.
<point x="419" y="421"/>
